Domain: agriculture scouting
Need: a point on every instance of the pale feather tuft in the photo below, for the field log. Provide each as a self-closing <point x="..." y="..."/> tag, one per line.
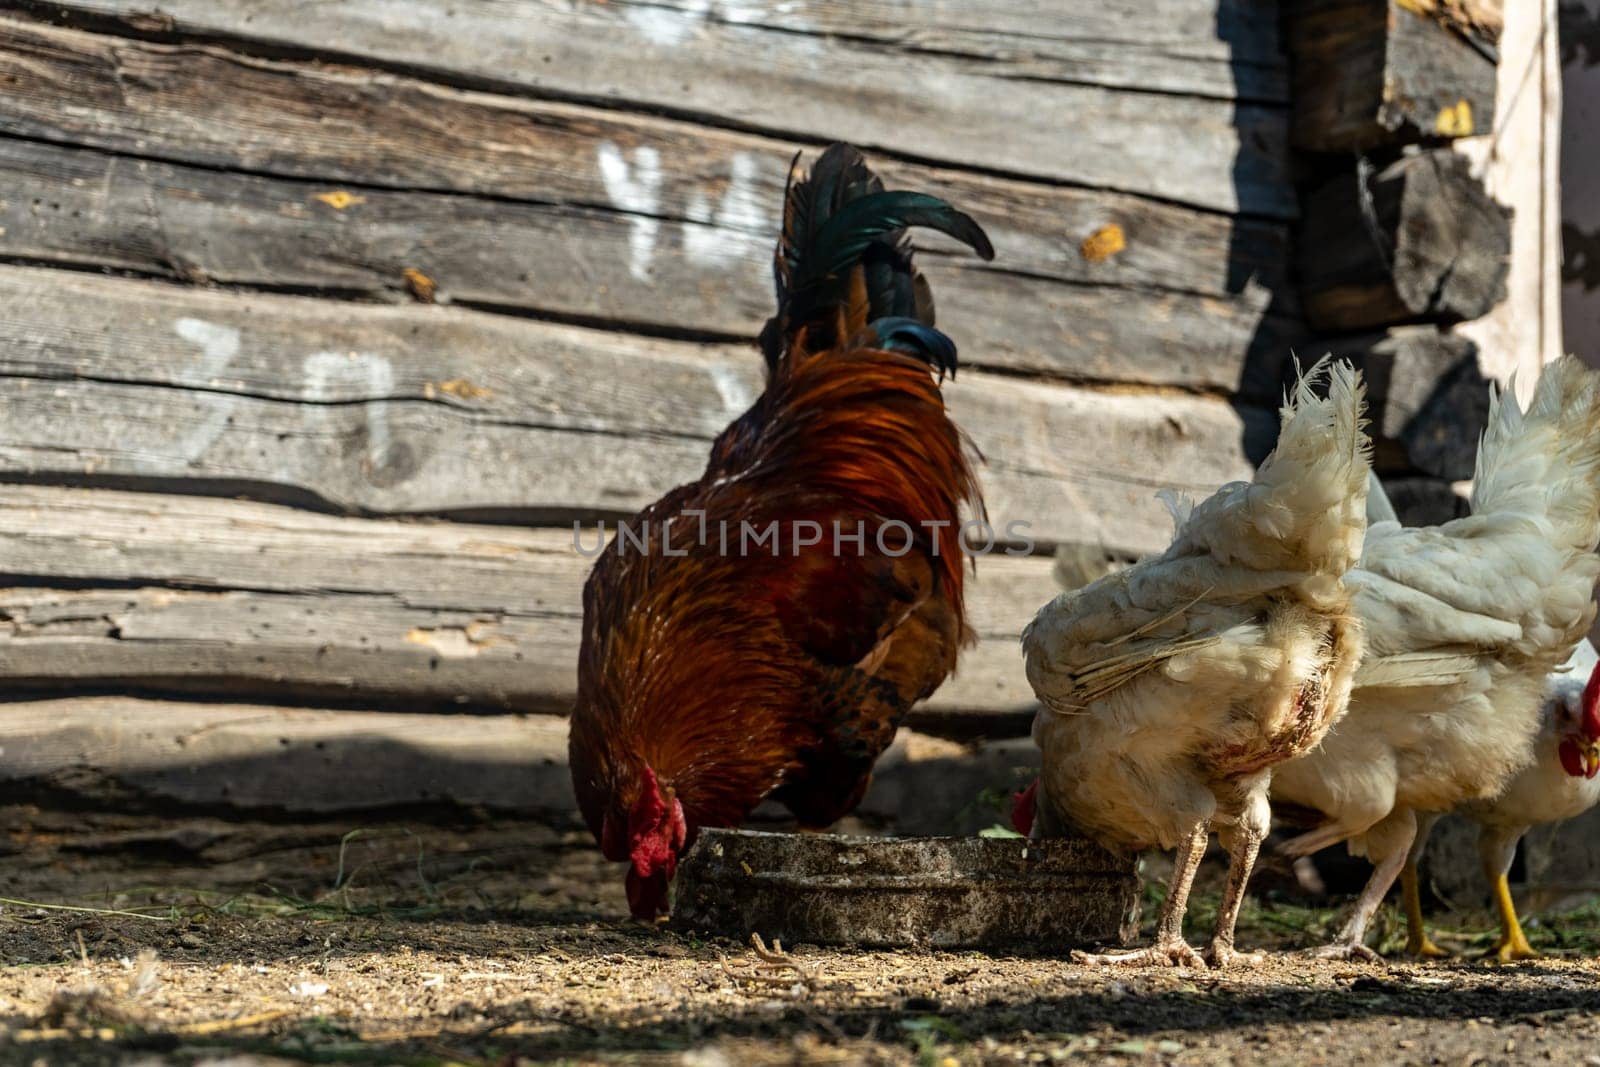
<point x="1306" y="508"/>
<point x="1545" y="463"/>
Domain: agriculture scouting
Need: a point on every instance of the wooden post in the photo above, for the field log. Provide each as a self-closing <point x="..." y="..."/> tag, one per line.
<point x="1520" y="165"/>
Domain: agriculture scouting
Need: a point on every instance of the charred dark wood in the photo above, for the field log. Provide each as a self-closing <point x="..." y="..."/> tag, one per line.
<point x="1426" y="394"/>
<point x="1422" y="501"/>
<point x="1419" y="240"/>
<point x="1382" y="72"/>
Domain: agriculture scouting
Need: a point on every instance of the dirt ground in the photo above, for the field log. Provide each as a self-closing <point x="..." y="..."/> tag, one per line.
<point x="227" y="944"/>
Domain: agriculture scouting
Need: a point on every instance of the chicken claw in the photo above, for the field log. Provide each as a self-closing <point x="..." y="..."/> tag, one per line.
<point x="1161" y="954"/>
<point x="1343" y="950"/>
<point x="1220" y="956"/>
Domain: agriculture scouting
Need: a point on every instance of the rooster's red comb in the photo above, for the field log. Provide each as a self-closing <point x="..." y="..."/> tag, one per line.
<point x="1025" y="808"/>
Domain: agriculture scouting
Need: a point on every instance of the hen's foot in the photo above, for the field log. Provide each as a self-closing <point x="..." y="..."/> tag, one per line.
<point x="1161" y="954"/>
<point x="1517" y="949"/>
<point x="1422" y="948"/>
<point x="1344" y="950"/>
<point x="1220" y="956"/>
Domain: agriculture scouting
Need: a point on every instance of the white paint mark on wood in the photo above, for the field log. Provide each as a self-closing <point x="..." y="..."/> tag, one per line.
<point x="736" y="227"/>
<point x="218" y="346"/>
<point x="668" y="27"/>
<point x="736" y="396"/>
<point x="635" y="188"/>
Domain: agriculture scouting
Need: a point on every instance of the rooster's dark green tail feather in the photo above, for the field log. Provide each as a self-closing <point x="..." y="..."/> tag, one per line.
<point x="838" y="221"/>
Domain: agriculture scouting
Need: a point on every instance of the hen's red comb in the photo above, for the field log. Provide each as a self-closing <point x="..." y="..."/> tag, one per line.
<point x="1589" y="714"/>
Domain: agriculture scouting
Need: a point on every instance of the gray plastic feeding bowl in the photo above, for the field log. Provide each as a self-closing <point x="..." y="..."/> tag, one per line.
<point x="933" y="892"/>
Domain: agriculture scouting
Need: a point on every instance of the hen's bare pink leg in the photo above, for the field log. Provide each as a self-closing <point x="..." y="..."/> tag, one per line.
<point x="1243" y="842"/>
<point x="1398" y="831"/>
<point x="1170" y="949"/>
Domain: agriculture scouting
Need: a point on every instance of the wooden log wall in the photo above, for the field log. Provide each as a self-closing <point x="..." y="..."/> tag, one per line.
<point x="1399" y="239"/>
<point x="323" y="326"/>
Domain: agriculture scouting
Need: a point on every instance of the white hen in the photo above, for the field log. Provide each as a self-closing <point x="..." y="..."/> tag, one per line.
<point x="1562" y="782"/>
<point x="1171" y="688"/>
<point x="1464" y="622"/>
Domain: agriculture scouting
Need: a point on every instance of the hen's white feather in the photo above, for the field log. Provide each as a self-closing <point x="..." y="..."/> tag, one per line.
<point x="1542" y="791"/>
<point x="1465" y="621"/>
<point x="1167" y="684"/>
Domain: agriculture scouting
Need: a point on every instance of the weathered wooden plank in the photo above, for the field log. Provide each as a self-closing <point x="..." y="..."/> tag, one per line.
<point x="1379" y="72"/>
<point x="92" y="210"/>
<point x="78" y="538"/>
<point x="75" y="538"/>
<point x="671" y="222"/>
<point x="691" y="61"/>
<point x="230" y="598"/>
<point x="372" y="652"/>
<point x="249" y="757"/>
<point x="331" y="124"/>
<point x="242" y="761"/>
<point x="1420" y="239"/>
<point x="411" y="410"/>
<point x="1222" y="49"/>
<point x="365" y="649"/>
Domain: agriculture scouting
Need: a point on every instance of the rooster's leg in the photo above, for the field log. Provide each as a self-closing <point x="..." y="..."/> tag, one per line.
<point x="1170" y="949"/>
<point x="1497" y="847"/>
<point x="1388" y="843"/>
<point x="1243" y="842"/>
<point x="1417" y="941"/>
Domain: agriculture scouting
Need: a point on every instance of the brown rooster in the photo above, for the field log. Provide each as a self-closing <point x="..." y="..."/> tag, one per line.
<point x="764" y="630"/>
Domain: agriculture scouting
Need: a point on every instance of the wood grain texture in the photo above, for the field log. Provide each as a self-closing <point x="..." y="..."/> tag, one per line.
<point x="1380" y="72"/>
<point x="228" y="598"/>
<point x="239" y="757"/>
<point x="791" y="72"/>
<point x="663" y="225"/>
<point x="426" y="410"/>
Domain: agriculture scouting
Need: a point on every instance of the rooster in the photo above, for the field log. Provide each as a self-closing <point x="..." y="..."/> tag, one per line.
<point x="1562" y="782"/>
<point x="1465" y="622"/>
<point x="786" y="610"/>
<point x="1171" y="689"/>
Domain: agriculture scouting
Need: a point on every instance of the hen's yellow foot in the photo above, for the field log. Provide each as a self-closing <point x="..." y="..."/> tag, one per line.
<point x="1517" y="949"/>
<point x="1513" y="942"/>
<point x="1423" y="948"/>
